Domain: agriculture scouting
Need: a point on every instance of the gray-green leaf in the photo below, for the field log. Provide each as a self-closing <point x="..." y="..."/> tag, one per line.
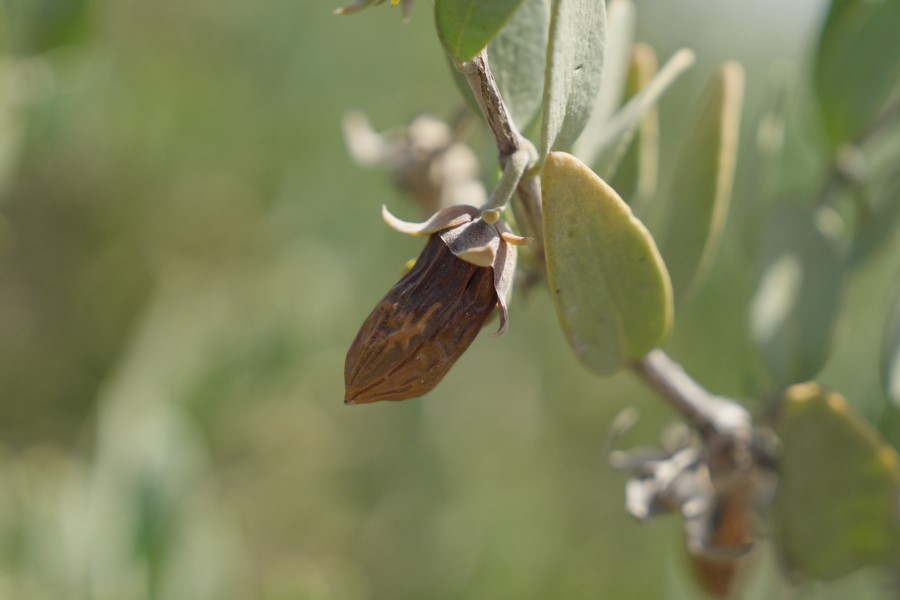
<point x="879" y="223"/>
<point x="836" y="509"/>
<point x="621" y="18"/>
<point x="573" y="71"/>
<point x="466" y="27"/>
<point x="517" y="58"/>
<point x="606" y="146"/>
<point x="608" y="281"/>
<point x="857" y="67"/>
<point x="636" y="174"/>
<point x="797" y="296"/>
<point x="700" y="191"/>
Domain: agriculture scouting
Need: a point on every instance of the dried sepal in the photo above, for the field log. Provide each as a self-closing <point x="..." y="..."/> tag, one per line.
<point x="443" y="219"/>
<point x="475" y="241"/>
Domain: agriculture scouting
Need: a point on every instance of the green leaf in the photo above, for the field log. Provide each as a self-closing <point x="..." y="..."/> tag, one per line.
<point x="857" y="67"/>
<point x="836" y="508"/>
<point x="466" y="27"/>
<point x="573" y="71"/>
<point x="700" y="191"/>
<point x="797" y="297"/>
<point x="607" y="279"/>
<point x="890" y="354"/>
<point x="879" y="222"/>
<point x="636" y="174"/>
<point x="621" y="22"/>
<point x="605" y="146"/>
<point x="517" y="58"/>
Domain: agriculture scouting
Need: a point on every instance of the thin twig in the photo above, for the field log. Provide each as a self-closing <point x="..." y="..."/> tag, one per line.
<point x="707" y="413"/>
<point x="509" y="140"/>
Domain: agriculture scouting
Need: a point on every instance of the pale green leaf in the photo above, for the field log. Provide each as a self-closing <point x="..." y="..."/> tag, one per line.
<point x="837" y="503"/>
<point x="700" y="191"/>
<point x="607" y="145"/>
<point x="890" y="354"/>
<point x="517" y="58"/>
<point x="573" y="71"/>
<point x="636" y="174"/>
<point x="878" y="223"/>
<point x="621" y="22"/>
<point x="857" y="66"/>
<point x="797" y="297"/>
<point x="607" y="279"/>
<point x="466" y="27"/>
<point x="621" y="18"/>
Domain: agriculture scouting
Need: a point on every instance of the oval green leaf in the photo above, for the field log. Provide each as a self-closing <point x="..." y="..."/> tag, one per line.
<point x="797" y="297"/>
<point x="573" y="71"/>
<point x="837" y="503"/>
<point x="701" y="188"/>
<point x="466" y="27"/>
<point x="517" y="58"/>
<point x="608" y="281"/>
<point x="857" y="68"/>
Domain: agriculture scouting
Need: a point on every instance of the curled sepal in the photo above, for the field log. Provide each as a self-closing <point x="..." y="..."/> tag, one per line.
<point x="452" y="216"/>
<point x="486" y="245"/>
<point x="474" y="240"/>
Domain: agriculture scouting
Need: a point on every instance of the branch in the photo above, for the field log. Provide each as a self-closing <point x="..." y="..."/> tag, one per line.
<point x="709" y="414"/>
<point x="509" y="142"/>
<point x="722" y="422"/>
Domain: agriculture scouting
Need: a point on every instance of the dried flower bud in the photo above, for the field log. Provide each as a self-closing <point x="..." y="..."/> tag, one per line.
<point x="426" y="160"/>
<point x="420" y="328"/>
<point x="433" y="314"/>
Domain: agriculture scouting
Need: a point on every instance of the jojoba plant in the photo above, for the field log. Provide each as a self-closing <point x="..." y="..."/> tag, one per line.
<point x="573" y="194"/>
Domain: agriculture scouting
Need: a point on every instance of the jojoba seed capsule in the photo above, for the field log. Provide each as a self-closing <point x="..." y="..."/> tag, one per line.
<point x="420" y="328"/>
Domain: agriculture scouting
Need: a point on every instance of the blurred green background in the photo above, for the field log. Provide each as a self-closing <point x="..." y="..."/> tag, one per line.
<point x="186" y="251"/>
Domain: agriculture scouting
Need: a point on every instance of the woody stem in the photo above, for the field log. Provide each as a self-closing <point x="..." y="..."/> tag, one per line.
<point x="711" y="415"/>
<point x="515" y="167"/>
<point x="509" y="142"/>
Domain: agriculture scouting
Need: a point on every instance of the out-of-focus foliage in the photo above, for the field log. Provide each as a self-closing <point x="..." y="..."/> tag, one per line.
<point x="700" y="191"/>
<point x="837" y="501"/>
<point x="853" y="77"/>
<point x="636" y="176"/>
<point x="798" y="296"/>
<point x="186" y="252"/>
<point x="34" y="26"/>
